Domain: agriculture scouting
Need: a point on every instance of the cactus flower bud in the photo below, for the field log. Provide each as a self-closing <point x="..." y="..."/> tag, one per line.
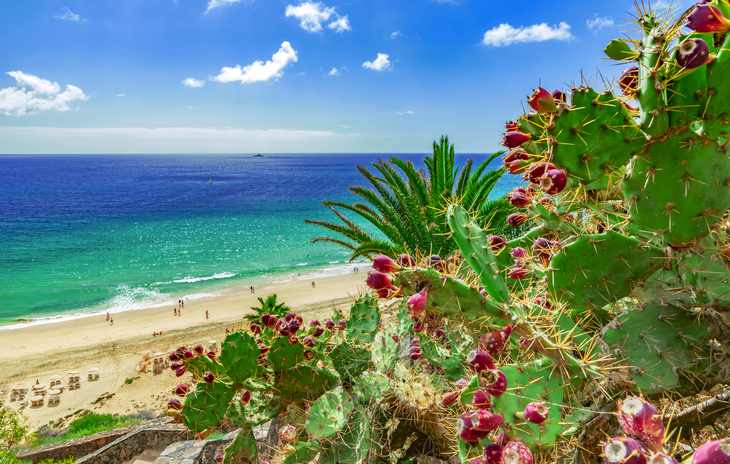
<point x="309" y="341"/>
<point x="414" y="349"/>
<point x="516" y="219"/>
<point x="282" y="326"/>
<point x="293" y="340"/>
<point x="714" y="452"/>
<point x="175" y="366"/>
<point x="503" y="439"/>
<point x="199" y="350"/>
<point x="182" y="389"/>
<point x="416" y="356"/>
<point x="518" y="200"/>
<point x="496" y="242"/>
<point x="318" y="332"/>
<point x="246" y="397"/>
<point x="212" y="356"/>
<point x="294" y="326"/>
<point x="554" y="181"/>
<point x="438" y="333"/>
<point x="641" y="420"/>
<point x="493" y="453"/>
<point x="495" y="341"/>
<point x="512" y="126"/>
<point x="209" y="377"/>
<point x="623" y="450"/>
<point x="707" y="18"/>
<point x="417" y="302"/>
<point x="542" y="101"/>
<point x="538" y="170"/>
<point x="383" y="263"/>
<point x="482" y="400"/>
<point x="288" y="434"/>
<point x="329" y="325"/>
<point x="517" y="273"/>
<point x="395" y="338"/>
<point x="218" y="457"/>
<point x="308" y="355"/>
<point x="518" y="166"/>
<point x="480" y="360"/>
<point x="514" y="139"/>
<point x="628" y="81"/>
<point x="377" y="280"/>
<point x="174" y="404"/>
<point x="314" y="323"/>
<point x="559" y="96"/>
<point x="465" y="429"/>
<point x="406" y="260"/>
<point x="535" y="413"/>
<point x="180" y="372"/>
<point x="516" y="155"/>
<point x="268" y="320"/>
<point x="693" y="53"/>
<point x="494" y="382"/>
<point x="255" y="329"/>
<point x="516" y="453"/>
<point x="342" y="324"/>
<point x="450" y="398"/>
<point x="189" y="354"/>
<point x="485" y="421"/>
<point x="174" y="356"/>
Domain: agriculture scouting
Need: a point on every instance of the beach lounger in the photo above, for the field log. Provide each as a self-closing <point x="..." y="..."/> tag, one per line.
<point x="37" y="401"/>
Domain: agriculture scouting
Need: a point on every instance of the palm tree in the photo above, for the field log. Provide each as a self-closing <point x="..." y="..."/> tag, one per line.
<point x="407" y="207"/>
<point x="268" y="306"/>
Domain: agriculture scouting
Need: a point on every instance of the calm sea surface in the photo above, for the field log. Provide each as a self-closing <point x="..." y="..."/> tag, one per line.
<point x="84" y="234"/>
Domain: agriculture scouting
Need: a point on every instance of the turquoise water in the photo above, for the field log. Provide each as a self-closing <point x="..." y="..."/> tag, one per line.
<point x="88" y="234"/>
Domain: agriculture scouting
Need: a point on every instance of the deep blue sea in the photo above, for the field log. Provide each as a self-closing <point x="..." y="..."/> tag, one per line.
<point x="87" y="234"/>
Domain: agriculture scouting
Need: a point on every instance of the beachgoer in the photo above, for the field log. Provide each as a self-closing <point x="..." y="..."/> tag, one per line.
<point x="182" y="303"/>
<point x="299" y="274"/>
<point x="111" y="321"/>
<point x="154" y="334"/>
<point x="178" y="302"/>
<point x="206" y="314"/>
<point x="175" y="311"/>
<point x="179" y="312"/>
<point x="107" y="317"/>
<point x="312" y="284"/>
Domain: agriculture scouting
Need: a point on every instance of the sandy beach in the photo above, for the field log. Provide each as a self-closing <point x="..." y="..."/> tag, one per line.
<point x="36" y="353"/>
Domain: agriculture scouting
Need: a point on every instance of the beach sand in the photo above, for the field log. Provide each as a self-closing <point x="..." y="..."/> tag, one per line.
<point x="35" y="353"/>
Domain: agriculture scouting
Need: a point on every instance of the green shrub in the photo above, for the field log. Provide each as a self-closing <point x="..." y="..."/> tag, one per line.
<point x="90" y="424"/>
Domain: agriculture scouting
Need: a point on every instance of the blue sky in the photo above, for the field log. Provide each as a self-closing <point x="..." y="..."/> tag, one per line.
<point x="212" y="76"/>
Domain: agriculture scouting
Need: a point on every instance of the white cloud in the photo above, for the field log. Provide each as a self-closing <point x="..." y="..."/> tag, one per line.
<point x="334" y="72"/>
<point x="346" y="127"/>
<point x="405" y="112"/>
<point x="69" y="16"/>
<point x="216" y="3"/>
<point x="190" y="82"/>
<point x="260" y="71"/>
<point x="43" y="96"/>
<point x="505" y="34"/>
<point x="120" y="95"/>
<point x="395" y="34"/>
<point x="599" y="23"/>
<point x="381" y="63"/>
<point x="311" y="16"/>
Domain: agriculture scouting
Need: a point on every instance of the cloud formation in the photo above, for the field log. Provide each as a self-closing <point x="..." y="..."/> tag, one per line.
<point x="260" y="71"/>
<point x="381" y="63"/>
<point x="334" y="72"/>
<point x="43" y="96"/>
<point x="505" y="34"/>
<point x="598" y="23"/>
<point x="216" y="3"/>
<point x="190" y="82"/>
<point x="69" y="16"/>
<point x="395" y="34"/>
<point x="311" y="16"/>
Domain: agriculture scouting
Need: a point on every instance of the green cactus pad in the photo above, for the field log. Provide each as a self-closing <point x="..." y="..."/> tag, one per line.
<point x="362" y="325"/>
<point x="206" y="405"/>
<point x="619" y="50"/>
<point x="717" y="122"/>
<point x="655" y="342"/>
<point x="260" y="409"/>
<point x="415" y="395"/>
<point x="283" y="355"/>
<point x="304" y="452"/>
<point x="350" y="360"/>
<point x="469" y="451"/>
<point x="240" y="355"/>
<point x="451" y="363"/>
<point x="467" y="394"/>
<point x="264" y="381"/>
<point x="328" y="414"/>
<point x="384" y="350"/>
<point x="625" y="261"/>
<point x="536" y="381"/>
<point x="371" y="386"/>
<point x="306" y="383"/>
<point x="679" y="191"/>
<point x="199" y="365"/>
<point x="242" y="448"/>
<point x="405" y="322"/>
<point x="353" y="445"/>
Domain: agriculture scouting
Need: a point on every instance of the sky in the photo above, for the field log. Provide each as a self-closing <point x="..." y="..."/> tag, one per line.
<point x="286" y="76"/>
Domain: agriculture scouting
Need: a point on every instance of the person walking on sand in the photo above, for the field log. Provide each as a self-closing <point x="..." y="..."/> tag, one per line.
<point x="206" y="314"/>
<point x="312" y="284"/>
<point x="111" y="321"/>
<point x="175" y="310"/>
<point x="182" y="303"/>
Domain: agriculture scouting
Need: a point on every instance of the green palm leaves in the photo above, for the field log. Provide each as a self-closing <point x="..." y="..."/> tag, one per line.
<point x="267" y="306"/>
<point x="407" y="206"/>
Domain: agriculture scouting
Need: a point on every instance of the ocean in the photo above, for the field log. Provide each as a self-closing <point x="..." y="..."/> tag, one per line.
<point x="82" y="235"/>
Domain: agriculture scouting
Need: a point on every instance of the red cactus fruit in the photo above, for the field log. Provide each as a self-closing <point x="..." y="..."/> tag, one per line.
<point x="218" y="457"/>
<point x="485" y="421"/>
<point x="395" y="338"/>
<point x="476" y="461"/>
<point x="212" y="355"/>
<point x="315" y="323"/>
<point x="542" y="247"/>
<point x="518" y="200"/>
<point x="554" y="181"/>
<point x="406" y="260"/>
<point x="415" y="341"/>
<point x="174" y="404"/>
<point x="693" y="53"/>
<point x="461" y="383"/>
<point x="418" y="327"/>
<point x="256" y="329"/>
<point x="308" y="355"/>
<point x="493" y="453"/>
<point x="342" y="324"/>
<point x="182" y="389"/>
<point x="512" y="126"/>
<point x="174" y="356"/>
<point x="189" y="354"/>
<point x="318" y="332"/>
<point x="621" y="450"/>
<point x="293" y="340"/>
<point x="641" y="420"/>
<point x="482" y="400"/>
<point x="180" y="372"/>
<point x="516" y="219"/>
<point x="503" y="439"/>
<point x="559" y="96"/>
<point x="417" y="302"/>
<point x="377" y="280"/>
<point x="494" y="382"/>
<point x="282" y="326"/>
<point x="496" y="242"/>
<point x="209" y="377"/>
<point x="330" y="325"/>
<point x="288" y="434"/>
<point x="518" y="166"/>
<point x="542" y="101"/>
<point x="519" y="253"/>
<point x="416" y="356"/>
<point x="628" y="81"/>
<point x="536" y="412"/>
<point x="450" y="398"/>
<point x="309" y="341"/>
<point x="714" y="452"/>
<point x="294" y="326"/>
<point x="175" y="366"/>
<point x="545" y="201"/>
<point x="516" y="453"/>
<point x="517" y="273"/>
<point x="707" y="18"/>
<point x="264" y="348"/>
<point x="465" y="430"/>
<point x="383" y="293"/>
<point x="538" y="170"/>
<point x="495" y="341"/>
<point x="661" y="458"/>
<point x="516" y="155"/>
<point x="480" y="360"/>
<point x="199" y="350"/>
<point x="290" y="316"/>
<point x="414" y="349"/>
<point x="514" y="139"/>
<point x="246" y="397"/>
<point x="383" y="263"/>
<point x="268" y="320"/>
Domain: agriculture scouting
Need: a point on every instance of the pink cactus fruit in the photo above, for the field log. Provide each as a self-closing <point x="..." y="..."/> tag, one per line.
<point x="546" y="201"/>
<point x="516" y="219"/>
<point x="480" y="360"/>
<point x="516" y="453"/>
<point x="514" y="139"/>
<point x="693" y="53"/>
<point x="714" y="452"/>
<point x="542" y="101"/>
<point x="417" y="302"/>
<point x="482" y="400"/>
<point x="642" y="421"/>
<point x="246" y="397"/>
<point x="406" y="260"/>
<point x="189" y="354"/>
<point x="341" y="324"/>
<point x="538" y="170"/>
<point x="559" y="96"/>
<point x="416" y="356"/>
<point x="707" y="18"/>
<point x="174" y="356"/>
<point x="518" y="199"/>
<point x="512" y="126"/>
<point x="518" y="154"/>
<point x="182" y="389"/>
<point x="495" y="341"/>
<point x="264" y="348"/>
<point x="493" y="453"/>
<point x="496" y="242"/>
<point x="377" y="280"/>
<point x="485" y="421"/>
<point x="318" y="332"/>
<point x="450" y="398"/>
<point x="395" y="338"/>
<point x="418" y="327"/>
<point x="661" y="458"/>
<point x="622" y="450"/>
<point x="494" y="382"/>
<point x="535" y="412"/>
<point x="554" y="181"/>
<point x="628" y="81"/>
<point x="288" y="434"/>
<point x="255" y="329"/>
<point x="209" y="377"/>
<point x="175" y="366"/>
<point x="542" y="248"/>
<point x="218" y="457"/>
<point x="199" y="350"/>
<point x="383" y="263"/>
<point x="174" y="404"/>
<point x="329" y="325"/>
<point x="503" y="439"/>
<point x="268" y="320"/>
<point x="180" y="372"/>
<point x="519" y="253"/>
<point x="465" y="430"/>
<point x="309" y="341"/>
<point x="518" y="166"/>
<point x="518" y="272"/>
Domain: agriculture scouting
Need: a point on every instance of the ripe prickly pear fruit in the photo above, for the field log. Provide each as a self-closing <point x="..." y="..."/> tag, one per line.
<point x="209" y="377"/>
<point x="707" y="18"/>
<point x="174" y="356"/>
<point x="180" y="372"/>
<point x="282" y="326"/>
<point x="496" y="242"/>
<point x="330" y="325"/>
<point x="516" y="453"/>
<point x="309" y="341"/>
<point x="377" y="280"/>
<point x="514" y="139"/>
<point x="641" y="420"/>
<point x="314" y="323"/>
<point x="517" y="273"/>
<point x="418" y="327"/>
<point x="714" y="452"/>
<point x="212" y="356"/>
<point x="406" y="260"/>
<point x="465" y="430"/>
<point x="661" y="458"/>
<point x="414" y="349"/>
<point x="535" y="413"/>
<point x="511" y="126"/>
<point x="268" y="320"/>
<point x="538" y="170"/>
<point x="494" y="382"/>
<point x="494" y="341"/>
<point x="218" y="457"/>
<point x="174" y="404"/>
<point x="294" y="326"/>
<point x="246" y="397"/>
<point x="175" y="366"/>
<point x="554" y="181"/>
<point x="542" y="101"/>
<point x="518" y="199"/>
<point x="383" y="263"/>
<point x="189" y="354"/>
<point x="416" y="341"/>
<point x="288" y="434"/>
<point x="417" y="302"/>
<point x="199" y="350"/>
<point x="256" y="329"/>
<point x="264" y="348"/>
<point x="482" y="400"/>
<point x="308" y="355"/>
<point x="503" y="439"/>
<point x="493" y="453"/>
<point x="293" y="340"/>
<point x="450" y="398"/>
<point x="542" y="248"/>
<point x="519" y="253"/>
<point x="395" y="338"/>
<point x="545" y="201"/>
<point x="693" y="53"/>
<point x="318" y="332"/>
<point x="480" y="360"/>
<point x="416" y="356"/>
<point x="621" y="450"/>
<point x="628" y="81"/>
<point x="383" y="293"/>
<point x="518" y="166"/>
<point x="516" y="155"/>
<point x="516" y="219"/>
<point x="342" y="324"/>
<point x="485" y="421"/>
<point x="182" y="389"/>
<point x="559" y="96"/>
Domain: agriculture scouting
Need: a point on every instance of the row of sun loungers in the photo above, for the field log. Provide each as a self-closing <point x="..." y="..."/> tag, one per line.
<point x="39" y="391"/>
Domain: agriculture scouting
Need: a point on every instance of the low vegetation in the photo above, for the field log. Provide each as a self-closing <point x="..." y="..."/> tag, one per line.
<point x="86" y="425"/>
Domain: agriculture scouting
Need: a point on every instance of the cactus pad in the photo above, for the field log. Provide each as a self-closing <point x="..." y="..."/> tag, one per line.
<point x="283" y="355"/>
<point x="350" y="360"/>
<point x="451" y="363"/>
<point x="306" y="383"/>
<point x="370" y="386"/>
<point x="353" y="445"/>
<point x="242" y="448"/>
<point x="328" y="414"/>
<point x="206" y="405"/>
<point x="362" y="325"/>
<point x="259" y="410"/>
<point x="240" y="356"/>
<point x="304" y="452"/>
<point x="384" y="351"/>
